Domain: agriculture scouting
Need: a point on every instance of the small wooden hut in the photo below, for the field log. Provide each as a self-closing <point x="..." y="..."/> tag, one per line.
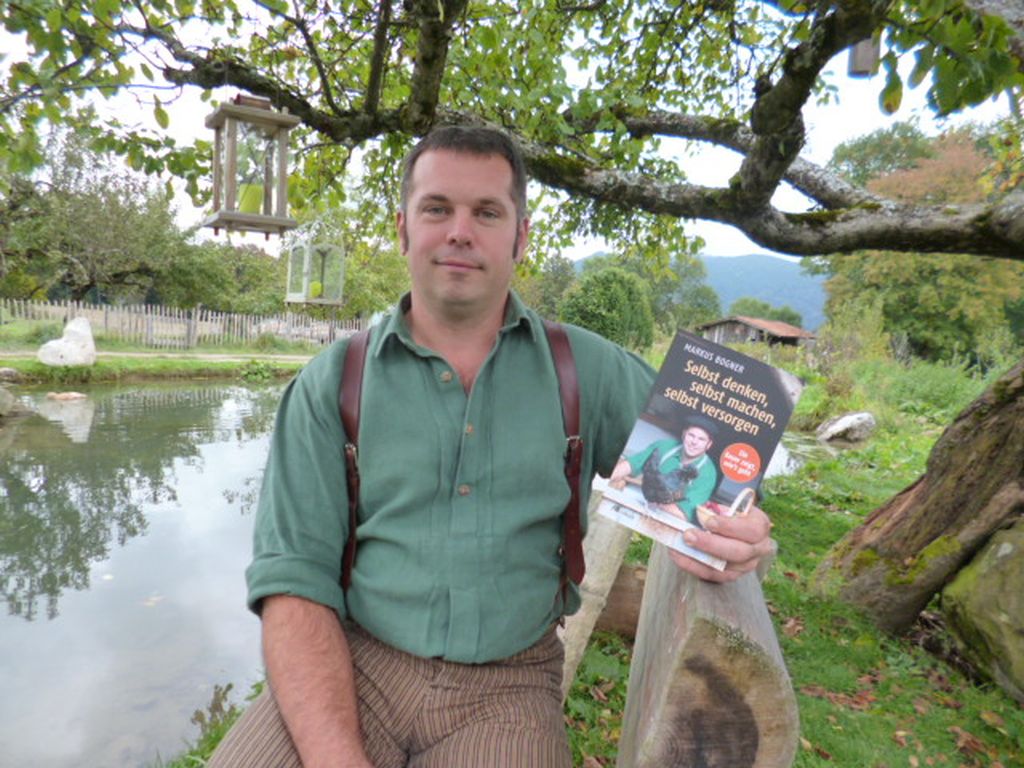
<point x="740" y="329"/>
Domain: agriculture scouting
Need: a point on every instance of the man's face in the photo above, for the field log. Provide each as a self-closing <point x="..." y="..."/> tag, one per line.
<point x="695" y="442"/>
<point x="460" y="232"/>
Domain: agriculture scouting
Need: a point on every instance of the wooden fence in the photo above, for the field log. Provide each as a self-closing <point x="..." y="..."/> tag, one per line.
<point x="168" y="328"/>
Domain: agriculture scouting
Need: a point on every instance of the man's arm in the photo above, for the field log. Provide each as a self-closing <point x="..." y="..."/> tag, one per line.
<point x="310" y="672"/>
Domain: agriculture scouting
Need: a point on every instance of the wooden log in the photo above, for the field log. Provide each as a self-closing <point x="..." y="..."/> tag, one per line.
<point x="603" y="550"/>
<point x="708" y="685"/>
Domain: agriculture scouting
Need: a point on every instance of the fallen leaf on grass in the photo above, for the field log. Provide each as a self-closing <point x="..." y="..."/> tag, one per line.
<point x="967" y="743"/>
<point x="823" y="754"/>
<point x="793" y="626"/>
<point x="592" y="762"/>
<point x="860" y="700"/>
<point x="900" y="737"/>
<point x="921" y="706"/>
<point x="995" y="720"/>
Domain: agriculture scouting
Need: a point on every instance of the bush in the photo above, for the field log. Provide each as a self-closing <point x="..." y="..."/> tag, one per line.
<point x="613" y="303"/>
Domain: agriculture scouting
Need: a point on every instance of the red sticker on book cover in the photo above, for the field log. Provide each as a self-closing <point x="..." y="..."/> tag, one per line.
<point x="740" y="462"/>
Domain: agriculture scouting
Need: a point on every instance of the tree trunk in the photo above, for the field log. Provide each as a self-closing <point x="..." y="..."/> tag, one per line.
<point x="908" y="549"/>
<point x="707" y="686"/>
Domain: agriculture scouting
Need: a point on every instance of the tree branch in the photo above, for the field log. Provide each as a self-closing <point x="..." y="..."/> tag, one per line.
<point x="776" y="117"/>
<point x="988" y="229"/>
<point x="436" y="20"/>
<point x="824" y="187"/>
<point x="380" y="49"/>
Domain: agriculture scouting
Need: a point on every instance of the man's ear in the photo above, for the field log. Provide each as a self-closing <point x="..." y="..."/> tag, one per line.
<point x="403" y="235"/>
<point x="522" y="239"/>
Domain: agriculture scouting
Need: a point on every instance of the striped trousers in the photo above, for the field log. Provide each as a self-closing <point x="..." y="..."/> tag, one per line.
<point x="430" y="713"/>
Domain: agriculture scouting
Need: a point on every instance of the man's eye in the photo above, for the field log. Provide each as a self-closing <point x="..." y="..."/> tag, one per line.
<point x="488" y="213"/>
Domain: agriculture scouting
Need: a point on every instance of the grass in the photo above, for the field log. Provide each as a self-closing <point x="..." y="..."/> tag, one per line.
<point x="24" y="338"/>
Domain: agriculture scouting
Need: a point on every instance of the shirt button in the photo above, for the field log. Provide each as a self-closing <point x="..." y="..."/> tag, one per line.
<point x="463" y="490"/>
<point x="469" y="429"/>
<point x="446" y="376"/>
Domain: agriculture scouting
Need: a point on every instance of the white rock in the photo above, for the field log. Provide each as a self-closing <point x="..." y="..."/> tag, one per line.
<point x="75" y="347"/>
<point x="849" y="426"/>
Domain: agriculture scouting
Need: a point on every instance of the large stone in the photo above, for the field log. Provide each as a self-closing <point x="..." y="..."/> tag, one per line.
<point x="852" y="427"/>
<point x="11" y="375"/>
<point x="984" y="608"/>
<point x="75" y="347"/>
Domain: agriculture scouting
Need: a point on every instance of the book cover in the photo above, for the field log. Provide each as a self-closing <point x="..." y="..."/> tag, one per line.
<point x="702" y="443"/>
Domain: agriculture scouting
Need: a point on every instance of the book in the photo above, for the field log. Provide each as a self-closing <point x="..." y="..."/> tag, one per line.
<point x="701" y="445"/>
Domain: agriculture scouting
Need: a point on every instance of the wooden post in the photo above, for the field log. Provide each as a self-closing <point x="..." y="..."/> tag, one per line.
<point x="218" y="169"/>
<point x="282" y="173"/>
<point x="231" y="166"/>
<point x="708" y="685"/>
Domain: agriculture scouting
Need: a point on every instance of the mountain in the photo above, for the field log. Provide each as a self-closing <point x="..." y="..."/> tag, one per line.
<point x="778" y="281"/>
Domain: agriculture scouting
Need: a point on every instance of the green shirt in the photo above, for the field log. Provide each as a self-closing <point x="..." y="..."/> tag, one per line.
<point x="698" y="490"/>
<point x="461" y="495"/>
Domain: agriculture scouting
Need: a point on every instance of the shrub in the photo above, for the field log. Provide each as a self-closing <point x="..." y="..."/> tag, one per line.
<point x="613" y="303"/>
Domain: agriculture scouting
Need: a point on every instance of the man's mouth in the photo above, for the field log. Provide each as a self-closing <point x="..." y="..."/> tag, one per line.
<point x="452" y="263"/>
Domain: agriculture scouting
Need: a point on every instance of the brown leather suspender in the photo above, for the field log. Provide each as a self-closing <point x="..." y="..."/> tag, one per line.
<point x="569" y="387"/>
<point x="350" y="393"/>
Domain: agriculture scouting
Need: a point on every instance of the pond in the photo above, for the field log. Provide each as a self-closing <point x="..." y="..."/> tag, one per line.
<point x="125" y="529"/>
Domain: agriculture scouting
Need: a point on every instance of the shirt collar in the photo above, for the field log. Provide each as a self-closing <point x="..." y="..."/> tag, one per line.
<point x="516" y="315"/>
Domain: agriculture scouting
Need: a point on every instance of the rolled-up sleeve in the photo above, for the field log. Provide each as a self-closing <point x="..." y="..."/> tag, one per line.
<point x="301" y="519"/>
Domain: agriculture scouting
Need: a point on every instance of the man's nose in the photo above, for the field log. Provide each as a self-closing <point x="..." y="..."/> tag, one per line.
<point x="460" y="231"/>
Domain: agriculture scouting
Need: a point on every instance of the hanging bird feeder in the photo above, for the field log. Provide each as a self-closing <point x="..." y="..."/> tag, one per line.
<point x="250" y="167"/>
<point x="864" y="57"/>
<point x="316" y="273"/>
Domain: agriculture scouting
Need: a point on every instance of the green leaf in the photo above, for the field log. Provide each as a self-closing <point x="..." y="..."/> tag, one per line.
<point x="922" y="66"/>
<point x="54" y="20"/>
<point x="161" y="116"/>
<point x="892" y="95"/>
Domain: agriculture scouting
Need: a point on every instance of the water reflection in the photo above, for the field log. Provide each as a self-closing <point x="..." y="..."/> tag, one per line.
<point x="123" y="539"/>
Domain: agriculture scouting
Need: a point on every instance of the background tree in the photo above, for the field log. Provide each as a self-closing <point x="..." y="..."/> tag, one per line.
<point x="544" y="288"/>
<point x="677" y="284"/>
<point x="751" y="307"/>
<point x="614" y="303"/>
<point x="696" y="303"/>
<point x="941" y="305"/>
<point x="883" y="151"/>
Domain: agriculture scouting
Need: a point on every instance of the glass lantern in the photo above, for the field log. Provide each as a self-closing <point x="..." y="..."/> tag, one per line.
<point x="316" y="274"/>
<point x="250" y="167"/>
